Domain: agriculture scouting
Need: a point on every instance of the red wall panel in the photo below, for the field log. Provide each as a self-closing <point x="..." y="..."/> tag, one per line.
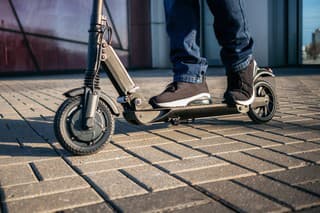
<point x="58" y="55"/>
<point x="14" y="55"/>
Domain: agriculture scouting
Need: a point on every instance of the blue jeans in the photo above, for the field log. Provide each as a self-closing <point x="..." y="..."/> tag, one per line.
<point x="183" y="27"/>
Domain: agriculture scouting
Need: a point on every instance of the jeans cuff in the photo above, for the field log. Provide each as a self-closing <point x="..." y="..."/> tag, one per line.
<point x="242" y="65"/>
<point x="187" y="78"/>
<point x="193" y="74"/>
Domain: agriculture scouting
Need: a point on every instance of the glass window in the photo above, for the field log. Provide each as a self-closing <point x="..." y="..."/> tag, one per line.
<point x="310" y="31"/>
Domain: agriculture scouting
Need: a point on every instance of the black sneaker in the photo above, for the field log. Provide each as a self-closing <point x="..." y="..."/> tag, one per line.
<point x="180" y="94"/>
<point x="240" y="86"/>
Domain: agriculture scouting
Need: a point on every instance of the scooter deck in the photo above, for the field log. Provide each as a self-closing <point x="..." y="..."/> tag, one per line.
<point x="146" y="116"/>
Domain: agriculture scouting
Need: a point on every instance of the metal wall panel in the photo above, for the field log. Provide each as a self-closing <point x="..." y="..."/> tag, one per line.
<point x="53" y="34"/>
<point x="14" y="55"/>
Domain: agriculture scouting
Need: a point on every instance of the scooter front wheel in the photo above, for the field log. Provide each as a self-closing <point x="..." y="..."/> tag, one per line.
<point x="71" y="134"/>
<point x="264" y="87"/>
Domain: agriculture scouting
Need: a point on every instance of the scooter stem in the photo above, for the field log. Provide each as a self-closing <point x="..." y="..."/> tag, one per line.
<point x="91" y="94"/>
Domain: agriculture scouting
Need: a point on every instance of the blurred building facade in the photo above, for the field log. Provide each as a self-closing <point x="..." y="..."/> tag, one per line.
<point x="46" y="35"/>
<point x="316" y="36"/>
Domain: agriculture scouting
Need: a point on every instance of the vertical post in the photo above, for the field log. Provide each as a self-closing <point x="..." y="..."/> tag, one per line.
<point x="293" y="32"/>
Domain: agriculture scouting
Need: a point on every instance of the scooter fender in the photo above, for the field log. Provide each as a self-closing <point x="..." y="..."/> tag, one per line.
<point x="103" y="97"/>
<point x="263" y="73"/>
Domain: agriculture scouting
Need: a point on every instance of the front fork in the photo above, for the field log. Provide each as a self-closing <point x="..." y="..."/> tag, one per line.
<point x="100" y="52"/>
<point x="91" y="94"/>
<point x="90" y="104"/>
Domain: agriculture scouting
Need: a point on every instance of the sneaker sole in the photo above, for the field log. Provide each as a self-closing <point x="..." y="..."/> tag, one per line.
<point x="184" y="102"/>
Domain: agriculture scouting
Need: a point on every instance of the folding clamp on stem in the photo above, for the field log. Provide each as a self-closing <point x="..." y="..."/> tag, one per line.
<point x="104" y="45"/>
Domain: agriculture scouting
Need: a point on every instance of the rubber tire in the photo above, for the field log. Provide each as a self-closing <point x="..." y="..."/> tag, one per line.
<point x="268" y="82"/>
<point x="61" y="130"/>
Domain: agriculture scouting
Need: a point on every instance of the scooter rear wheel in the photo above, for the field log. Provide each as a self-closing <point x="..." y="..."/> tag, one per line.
<point x="71" y="134"/>
<point x="264" y="87"/>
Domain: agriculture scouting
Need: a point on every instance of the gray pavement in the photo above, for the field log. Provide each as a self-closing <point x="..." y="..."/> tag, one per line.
<point x="220" y="164"/>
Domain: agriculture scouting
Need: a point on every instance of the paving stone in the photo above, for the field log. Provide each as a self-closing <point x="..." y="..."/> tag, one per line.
<point x="261" y="142"/>
<point x="53" y="169"/>
<point x="298" y="175"/>
<point x="162" y="201"/>
<point x="276" y="138"/>
<point x="310" y="210"/>
<point x="101" y="156"/>
<point x="315" y="126"/>
<point x="113" y="185"/>
<point x="180" y="151"/>
<point x="293" y="119"/>
<point x="109" y="147"/>
<point x="153" y="155"/>
<point x="310" y="156"/>
<point x="132" y="138"/>
<point x="278" y="125"/>
<point x="42" y="188"/>
<point x="153" y="179"/>
<point x="167" y="128"/>
<point x="289" y="131"/>
<point x="226" y="148"/>
<point x="11" y="148"/>
<point x="219" y="126"/>
<point x="224" y="126"/>
<point x="146" y="143"/>
<point x="15" y="175"/>
<point x="236" y="132"/>
<point x="276" y="158"/>
<point x="251" y="163"/>
<point x="263" y="127"/>
<point x="313" y="187"/>
<point x="214" y="174"/>
<point x="177" y="136"/>
<point x="211" y="207"/>
<point x="241" y="197"/>
<point x="103" y="166"/>
<point x="208" y="142"/>
<point x="96" y="208"/>
<point x="54" y="202"/>
<point x="308" y="136"/>
<point x="200" y="134"/>
<point x="27" y="155"/>
<point x="293" y="197"/>
<point x="192" y="164"/>
<point x="307" y="123"/>
<point x="297" y="148"/>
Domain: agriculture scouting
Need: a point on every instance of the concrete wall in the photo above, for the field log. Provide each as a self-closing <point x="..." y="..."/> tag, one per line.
<point x="159" y="37"/>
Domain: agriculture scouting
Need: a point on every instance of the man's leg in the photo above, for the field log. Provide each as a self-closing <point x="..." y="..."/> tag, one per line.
<point x="231" y="30"/>
<point x="189" y="68"/>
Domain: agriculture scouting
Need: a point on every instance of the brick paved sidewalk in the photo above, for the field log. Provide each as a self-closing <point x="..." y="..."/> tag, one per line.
<point x="221" y="164"/>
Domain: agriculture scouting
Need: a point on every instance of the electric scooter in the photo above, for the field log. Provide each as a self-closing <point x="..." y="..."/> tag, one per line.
<point x="85" y="120"/>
